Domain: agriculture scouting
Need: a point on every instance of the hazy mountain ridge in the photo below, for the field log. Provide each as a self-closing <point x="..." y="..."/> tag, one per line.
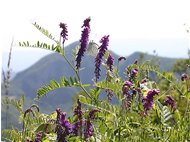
<point x="53" y="66"/>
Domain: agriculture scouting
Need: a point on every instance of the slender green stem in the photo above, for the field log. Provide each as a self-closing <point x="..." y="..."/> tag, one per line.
<point x="76" y="71"/>
<point x="85" y="91"/>
<point x="187" y="107"/>
<point x="175" y="86"/>
<point x="77" y="74"/>
<point x="23" y="130"/>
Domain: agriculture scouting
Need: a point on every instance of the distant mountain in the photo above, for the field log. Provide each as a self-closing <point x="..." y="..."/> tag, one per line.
<point x="164" y="63"/>
<point x="53" y="66"/>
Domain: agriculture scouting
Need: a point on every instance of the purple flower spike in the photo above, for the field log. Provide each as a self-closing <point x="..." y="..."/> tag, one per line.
<point x="76" y="128"/>
<point x="110" y="94"/>
<point x="65" y="123"/>
<point x="126" y="87"/>
<point x="102" y="50"/>
<point x="38" y="137"/>
<point x="58" y="110"/>
<point x="63" y="127"/>
<point x="78" y="110"/>
<point x="64" y="32"/>
<point x="171" y="102"/>
<point x="89" y="126"/>
<point x="92" y="114"/>
<point x="126" y="92"/>
<point x="144" y="81"/>
<point x="135" y="72"/>
<point x="83" y="42"/>
<point x="110" y="62"/>
<point x="86" y="23"/>
<point x="89" y="129"/>
<point x="184" y="77"/>
<point x="128" y="83"/>
<point x="148" y="101"/>
<point x="79" y="113"/>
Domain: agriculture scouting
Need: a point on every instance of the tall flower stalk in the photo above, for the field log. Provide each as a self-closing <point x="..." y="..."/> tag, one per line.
<point x="84" y="45"/>
<point x="77" y="128"/>
<point x="64" y="127"/>
<point x="89" y="130"/>
<point x="64" y="32"/>
<point x="102" y="50"/>
<point x="83" y="42"/>
<point x="126" y="103"/>
<point x="6" y="83"/>
<point x="110" y="62"/>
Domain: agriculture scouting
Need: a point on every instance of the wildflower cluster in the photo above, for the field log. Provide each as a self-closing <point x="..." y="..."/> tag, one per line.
<point x="80" y="126"/>
<point x="64" y="127"/>
<point x="134" y="91"/>
<point x="149" y="100"/>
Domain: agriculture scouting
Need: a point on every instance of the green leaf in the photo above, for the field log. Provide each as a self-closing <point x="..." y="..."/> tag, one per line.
<point x="71" y="80"/>
<point x="45" y="127"/>
<point x="12" y="135"/>
<point x="43" y="45"/>
<point x="160" y="106"/>
<point x="53" y="85"/>
<point x="86" y="85"/>
<point x="17" y="103"/>
<point x="45" y="32"/>
<point x="82" y="99"/>
<point x="51" y="137"/>
<point x="167" y="118"/>
<point x="97" y="93"/>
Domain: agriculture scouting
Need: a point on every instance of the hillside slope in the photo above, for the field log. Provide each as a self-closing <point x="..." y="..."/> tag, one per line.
<point x="53" y="66"/>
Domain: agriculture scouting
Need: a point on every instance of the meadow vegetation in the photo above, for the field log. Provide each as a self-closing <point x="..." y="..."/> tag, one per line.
<point x="152" y="105"/>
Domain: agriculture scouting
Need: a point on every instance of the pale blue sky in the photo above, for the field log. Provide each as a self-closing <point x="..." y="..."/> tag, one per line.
<point x="143" y="25"/>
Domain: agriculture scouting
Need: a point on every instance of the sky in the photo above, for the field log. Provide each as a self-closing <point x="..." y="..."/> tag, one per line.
<point x="143" y="25"/>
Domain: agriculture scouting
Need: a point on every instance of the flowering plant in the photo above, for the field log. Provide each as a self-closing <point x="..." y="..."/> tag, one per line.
<point x="145" y="111"/>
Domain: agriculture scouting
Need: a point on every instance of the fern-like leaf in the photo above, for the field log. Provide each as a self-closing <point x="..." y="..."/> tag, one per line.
<point x="167" y="118"/>
<point x="53" y="85"/>
<point x="18" y="104"/>
<point x="42" y="45"/>
<point x="45" y="32"/>
<point x="13" y="135"/>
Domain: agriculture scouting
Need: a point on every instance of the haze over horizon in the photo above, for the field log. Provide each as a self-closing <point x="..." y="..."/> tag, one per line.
<point x="132" y="25"/>
<point x="22" y="58"/>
